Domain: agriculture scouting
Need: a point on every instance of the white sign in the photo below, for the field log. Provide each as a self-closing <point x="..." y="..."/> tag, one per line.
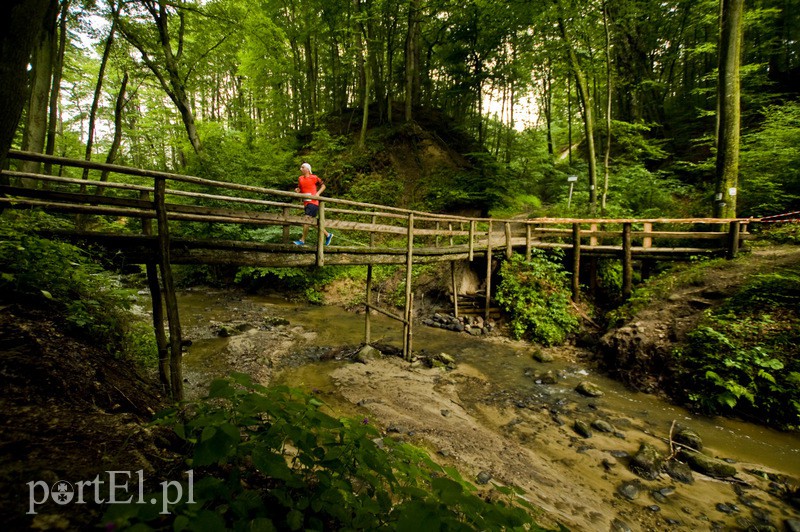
<point x="572" y="178"/>
<point x="732" y="191"/>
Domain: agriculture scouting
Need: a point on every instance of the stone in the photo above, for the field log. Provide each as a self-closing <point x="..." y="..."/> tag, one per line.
<point x="630" y="490"/>
<point x="679" y="471"/>
<point x="707" y="465"/>
<point x="539" y="356"/>
<point x="618" y="525"/>
<point x="582" y="428"/>
<point x="589" y="389"/>
<point x="548" y="378"/>
<point x="366" y="354"/>
<point x="688" y="437"/>
<point x="602" y="425"/>
<point x="483" y="477"/>
<point x="647" y="462"/>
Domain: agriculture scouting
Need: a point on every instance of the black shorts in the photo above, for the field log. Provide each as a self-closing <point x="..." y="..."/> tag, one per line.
<point x="311" y="210"/>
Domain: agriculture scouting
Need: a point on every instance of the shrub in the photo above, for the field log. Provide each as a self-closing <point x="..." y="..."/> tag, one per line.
<point x="535" y="295"/>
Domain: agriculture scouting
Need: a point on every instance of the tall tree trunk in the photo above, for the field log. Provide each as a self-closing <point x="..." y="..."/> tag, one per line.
<point x="588" y="113"/>
<point x="412" y="58"/>
<point x="118" y="109"/>
<point x="569" y="119"/>
<point x="728" y="107"/>
<point x="609" y="94"/>
<point x="98" y="88"/>
<point x="19" y="27"/>
<point x="36" y="121"/>
<point x="167" y="67"/>
<point x="547" y="98"/>
<point x="55" y="89"/>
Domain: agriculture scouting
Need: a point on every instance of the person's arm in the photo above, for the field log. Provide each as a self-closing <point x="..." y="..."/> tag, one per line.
<point x="321" y="189"/>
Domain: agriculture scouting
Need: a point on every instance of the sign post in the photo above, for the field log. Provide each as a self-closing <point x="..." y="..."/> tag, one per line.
<point x="571" y="179"/>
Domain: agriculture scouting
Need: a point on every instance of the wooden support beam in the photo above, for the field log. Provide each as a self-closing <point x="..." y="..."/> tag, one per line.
<point x="647" y="240"/>
<point x="321" y="235"/>
<point x="407" y="333"/>
<point x="471" y="239"/>
<point x="368" y="307"/>
<point x="576" y="262"/>
<point x="488" y="271"/>
<point x="388" y="314"/>
<point x="170" y="299"/>
<point x="509" y="248"/>
<point x="528" y="242"/>
<point x="156" y="300"/>
<point x="286" y="227"/>
<point x="627" y="261"/>
<point x="455" y="287"/>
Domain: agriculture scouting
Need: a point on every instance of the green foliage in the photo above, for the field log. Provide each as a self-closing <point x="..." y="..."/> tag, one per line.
<point x="307" y="281"/>
<point x="661" y="285"/>
<point x="64" y="278"/>
<point x="743" y="359"/>
<point x="770" y="163"/>
<point x="271" y="459"/>
<point x="633" y="190"/>
<point x="783" y="233"/>
<point x="535" y="295"/>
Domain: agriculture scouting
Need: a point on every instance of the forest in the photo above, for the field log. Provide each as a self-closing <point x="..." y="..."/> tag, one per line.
<point x="656" y="107"/>
<point x="495" y="109"/>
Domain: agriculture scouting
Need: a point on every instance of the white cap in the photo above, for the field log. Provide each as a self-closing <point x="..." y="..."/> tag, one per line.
<point x="305" y="165"/>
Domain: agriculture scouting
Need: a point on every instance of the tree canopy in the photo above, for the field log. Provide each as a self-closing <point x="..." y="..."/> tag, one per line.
<point x="622" y="93"/>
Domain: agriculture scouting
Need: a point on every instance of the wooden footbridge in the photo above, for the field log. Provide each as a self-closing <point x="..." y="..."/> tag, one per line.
<point x="114" y="206"/>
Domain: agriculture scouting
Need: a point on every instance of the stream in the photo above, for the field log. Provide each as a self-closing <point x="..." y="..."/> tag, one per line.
<point x="507" y="363"/>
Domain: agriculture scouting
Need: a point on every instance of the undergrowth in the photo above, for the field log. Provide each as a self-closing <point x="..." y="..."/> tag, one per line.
<point x="269" y="458"/>
<point x="744" y="358"/>
<point x="66" y="280"/>
<point x="535" y="296"/>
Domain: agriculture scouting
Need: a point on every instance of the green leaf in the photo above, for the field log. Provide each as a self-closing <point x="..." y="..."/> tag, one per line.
<point x="271" y="464"/>
<point x="47" y="294"/>
<point x="221" y="388"/>
<point x="295" y="520"/>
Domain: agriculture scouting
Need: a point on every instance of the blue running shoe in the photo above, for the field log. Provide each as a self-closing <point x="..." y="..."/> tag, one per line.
<point x="328" y="239"/>
<point x="299" y="243"/>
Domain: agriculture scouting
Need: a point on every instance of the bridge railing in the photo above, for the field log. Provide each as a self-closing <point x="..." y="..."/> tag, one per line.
<point x="191" y="200"/>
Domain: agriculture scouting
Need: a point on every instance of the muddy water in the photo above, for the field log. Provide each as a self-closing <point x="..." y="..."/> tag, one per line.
<point x="505" y="362"/>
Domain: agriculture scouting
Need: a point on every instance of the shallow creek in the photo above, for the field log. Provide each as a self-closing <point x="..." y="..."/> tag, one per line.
<point x="506" y="363"/>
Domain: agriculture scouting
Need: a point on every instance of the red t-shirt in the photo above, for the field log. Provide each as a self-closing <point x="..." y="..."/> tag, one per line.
<point x="308" y="185"/>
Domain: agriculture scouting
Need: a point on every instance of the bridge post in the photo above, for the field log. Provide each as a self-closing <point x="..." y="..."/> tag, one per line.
<point x="471" y="239"/>
<point x="171" y="301"/>
<point x="286" y="227"/>
<point x="407" y="332"/>
<point x="509" y="248"/>
<point x="368" y="307"/>
<point x="488" y="271"/>
<point x="455" y="287"/>
<point x="627" y="261"/>
<point x="528" y="243"/>
<point x="321" y="235"/>
<point x="576" y="262"/>
<point x="158" y="309"/>
<point x="733" y="239"/>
